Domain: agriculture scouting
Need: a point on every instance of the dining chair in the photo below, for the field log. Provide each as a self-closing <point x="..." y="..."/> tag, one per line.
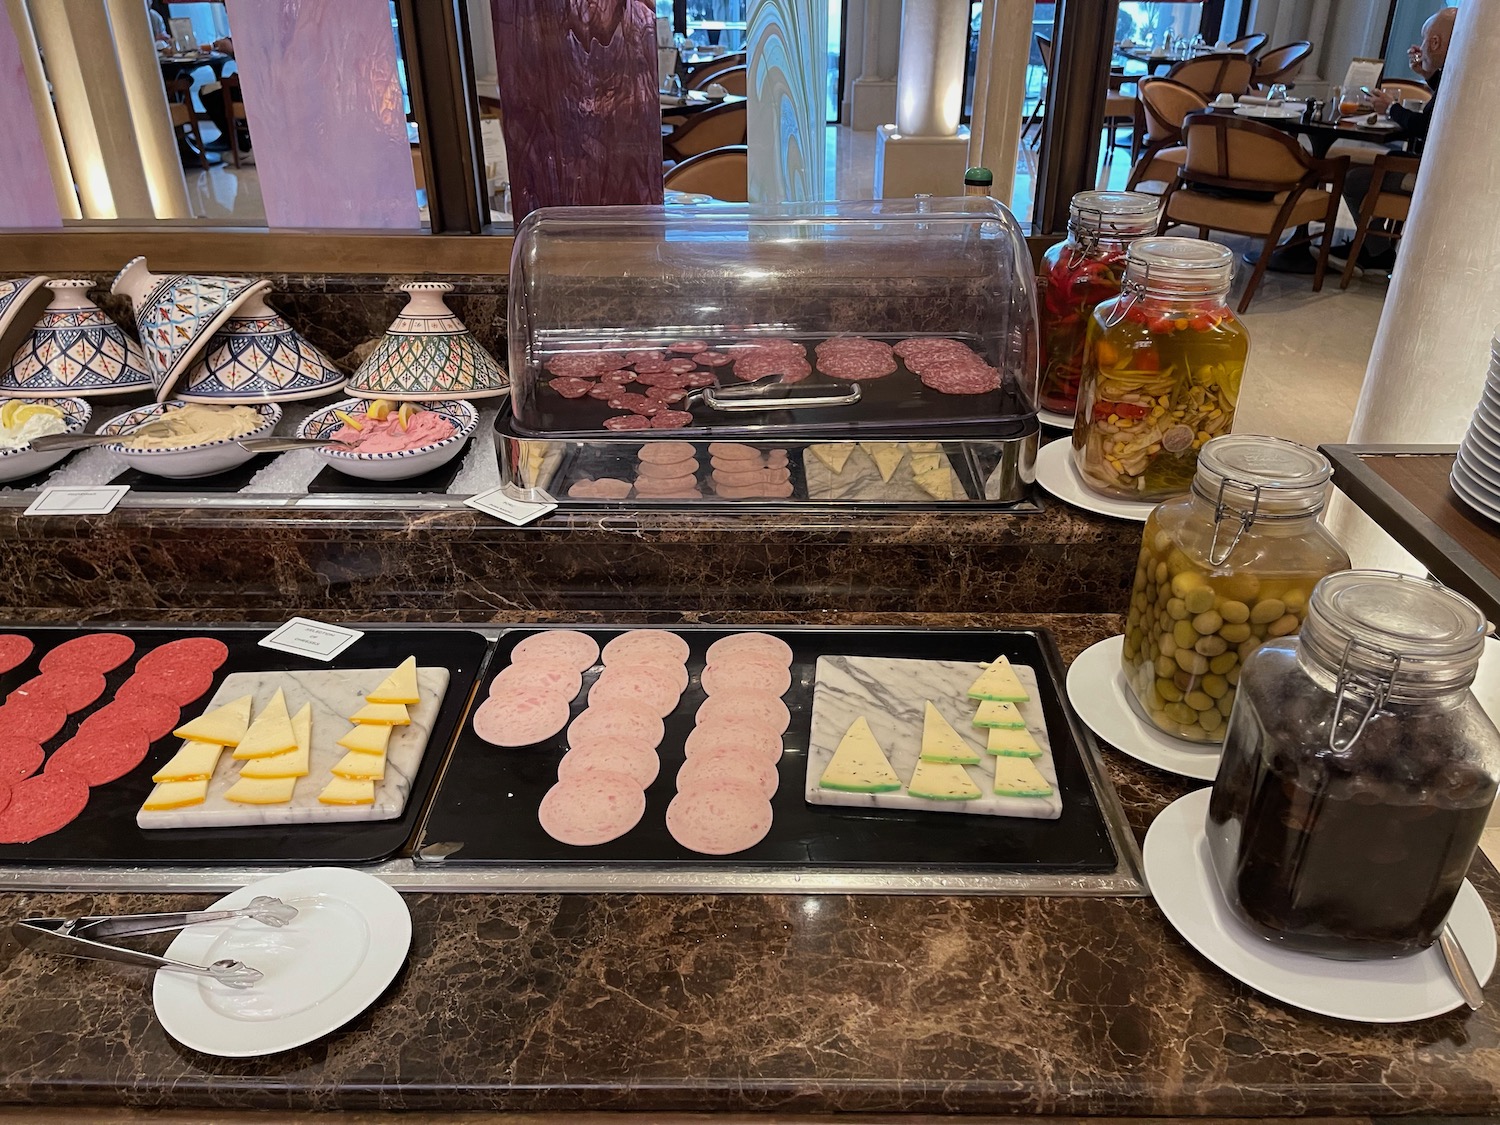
<point x="1251" y="43"/>
<point x="1044" y="52"/>
<point x="234" y="113"/>
<point x="713" y="128"/>
<point x="1165" y="104"/>
<point x="1243" y="177"/>
<point x="1389" y="207"/>
<point x="734" y="80"/>
<point x="1281" y="64"/>
<point x="704" y="75"/>
<point x="723" y="173"/>
<point x="1214" y="74"/>
<point x="184" y="117"/>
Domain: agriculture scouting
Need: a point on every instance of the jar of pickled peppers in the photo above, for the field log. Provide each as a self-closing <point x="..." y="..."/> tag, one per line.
<point x="1223" y="570"/>
<point x="1079" y="274"/>
<point x="1161" y="370"/>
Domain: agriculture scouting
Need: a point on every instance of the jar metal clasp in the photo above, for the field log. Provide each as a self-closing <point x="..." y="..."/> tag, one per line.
<point x="1131" y="291"/>
<point x="1378" y="685"/>
<point x="1246" y="519"/>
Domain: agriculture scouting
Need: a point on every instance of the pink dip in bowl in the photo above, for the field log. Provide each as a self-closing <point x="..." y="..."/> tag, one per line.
<point x="426" y="428"/>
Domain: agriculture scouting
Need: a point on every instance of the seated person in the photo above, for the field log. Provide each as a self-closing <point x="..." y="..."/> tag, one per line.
<point x="1427" y="59"/>
<point x="212" y="94"/>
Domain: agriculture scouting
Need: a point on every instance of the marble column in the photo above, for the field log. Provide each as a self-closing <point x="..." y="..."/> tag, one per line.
<point x="146" y="95"/>
<point x="787" y="55"/>
<point x="924" y="150"/>
<point x="872" y="95"/>
<point x="1000" y="90"/>
<point x="1427" y="370"/>
<point x="27" y="195"/>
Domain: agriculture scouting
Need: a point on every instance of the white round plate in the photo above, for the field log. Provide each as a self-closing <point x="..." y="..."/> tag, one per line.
<point x="1056" y="473"/>
<point x="1055" y="420"/>
<point x="348" y="941"/>
<point x="1271" y="112"/>
<point x="1096" y="689"/>
<point x="1472" y="493"/>
<point x="1398" y="990"/>
<point x="1475" y="467"/>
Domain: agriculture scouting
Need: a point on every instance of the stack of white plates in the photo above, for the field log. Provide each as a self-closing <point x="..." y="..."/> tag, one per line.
<point x="1476" y="472"/>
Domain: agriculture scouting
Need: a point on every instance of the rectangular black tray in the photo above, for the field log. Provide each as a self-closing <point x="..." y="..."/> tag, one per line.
<point x="485" y="808"/>
<point x="106" y="832"/>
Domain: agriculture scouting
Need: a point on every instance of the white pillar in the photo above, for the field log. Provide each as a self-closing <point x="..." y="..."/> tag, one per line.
<point x="924" y="150"/>
<point x="147" y="98"/>
<point x="872" y="95"/>
<point x="46" y="117"/>
<point x="1431" y="354"/>
<point x="1000" y="90"/>
<point x="787" y="55"/>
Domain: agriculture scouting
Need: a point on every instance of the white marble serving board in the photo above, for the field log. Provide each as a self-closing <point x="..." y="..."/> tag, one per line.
<point x="890" y="695"/>
<point x="334" y="694"/>
<point x="860" y="480"/>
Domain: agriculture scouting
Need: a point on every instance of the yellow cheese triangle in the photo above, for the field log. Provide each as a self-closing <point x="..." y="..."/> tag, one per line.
<point x="302" y="728"/>
<point x="941" y="743"/>
<point x="1018" y="777"/>
<point x="993" y="713"/>
<point x="937" y="482"/>
<point x="226" y="725"/>
<point x="177" y="794"/>
<point x="360" y="766"/>
<point x="271" y="733"/>
<point x="367" y="738"/>
<point x="1012" y="743"/>
<point x="859" y="765"/>
<point x="346" y="791"/>
<point x="384" y="714"/>
<point x="942" y="781"/>
<point x="999" y="681"/>
<point x="261" y="790"/>
<point x="886" y="455"/>
<point x="293" y="763"/>
<point x="195" y="760"/>
<point x="835" y="456"/>
<point x="400" y="686"/>
<point x="925" y="463"/>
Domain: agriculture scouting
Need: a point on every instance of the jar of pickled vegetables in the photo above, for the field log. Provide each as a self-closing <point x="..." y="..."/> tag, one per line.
<point x="1161" y="370"/>
<point x="1222" y="570"/>
<point x="1079" y="274"/>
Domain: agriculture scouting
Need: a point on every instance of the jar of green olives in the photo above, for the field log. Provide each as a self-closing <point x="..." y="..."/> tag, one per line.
<point x="1221" y="570"/>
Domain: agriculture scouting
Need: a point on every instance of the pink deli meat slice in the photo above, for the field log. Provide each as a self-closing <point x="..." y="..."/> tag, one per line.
<point x="646" y="645"/>
<point x="535" y="677"/>
<point x="749" y="706"/>
<point x="520" y="720"/>
<point x="559" y="646"/>
<point x="639" y="763"/>
<point x="719" y="819"/>
<point x="771" y="677"/>
<point x="741" y="738"/>
<point x="705" y="770"/>
<point x="619" y="722"/>
<point x="639" y="684"/>
<point x="674" y="671"/>
<point x="742" y="645"/>
<point x="593" y="808"/>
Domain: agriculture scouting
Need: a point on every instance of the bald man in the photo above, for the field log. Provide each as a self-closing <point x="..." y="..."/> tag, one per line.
<point x="1427" y="59"/>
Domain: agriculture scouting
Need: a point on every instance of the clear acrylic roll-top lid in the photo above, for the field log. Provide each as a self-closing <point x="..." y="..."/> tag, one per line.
<point x="1179" y="267"/>
<point x="1251" y="477"/>
<point x="1114" y="215"/>
<point x="1389" y="637"/>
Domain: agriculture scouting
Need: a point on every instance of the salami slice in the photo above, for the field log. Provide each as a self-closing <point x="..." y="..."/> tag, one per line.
<point x="719" y="818"/>
<point x="645" y="645"/>
<point x="667" y="452"/>
<point x="700" y="379"/>
<point x="538" y="677"/>
<point x="189" y="652"/>
<point x="635" y="403"/>
<point x="604" y="390"/>
<point x="744" y="739"/>
<point x="560" y="646"/>
<point x="516" y="719"/>
<point x="20" y="757"/>
<point x="42" y="804"/>
<point x="641" y="684"/>
<point x="769" y="676"/>
<point x="72" y="690"/>
<point x="137" y="707"/>
<point x="713" y="359"/>
<point x="961" y="378"/>
<point x="619" y="722"/>
<point x="627" y="422"/>
<point x="182" y="687"/>
<point x="638" y="763"/>
<point x="704" y="771"/>
<point x="14" y="649"/>
<point x="100" y="756"/>
<point x="617" y="378"/>
<point x="671" y="420"/>
<point x="645" y="355"/>
<point x="96" y="652"/>
<point x="756" y="707"/>
<point x="593" y="808"/>
<point x="915" y="347"/>
<point x="668" y="380"/>
<point x="648" y="366"/>
<point x="770" y="345"/>
<point x="666" y="395"/>
<point x="762" y="365"/>
<point x="39" y="719"/>
<point x="689" y="347"/>
<point x="571" y="387"/>
<point x="580" y="365"/>
<point x="765" y="646"/>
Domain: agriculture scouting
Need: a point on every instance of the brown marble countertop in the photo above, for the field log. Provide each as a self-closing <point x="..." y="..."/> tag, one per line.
<point x="785" y="1004"/>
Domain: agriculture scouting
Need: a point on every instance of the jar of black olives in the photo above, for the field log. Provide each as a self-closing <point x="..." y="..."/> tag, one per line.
<point x="1358" y="770"/>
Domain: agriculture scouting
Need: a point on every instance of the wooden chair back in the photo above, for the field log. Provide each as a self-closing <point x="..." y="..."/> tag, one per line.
<point x="1165" y="104"/>
<point x="704" y="75"/>
<point x="1282" y="64"/>
<point x="734" y="80"/>
<point x="723" y="173"/>
<point x="234" y="105"/>
<point x="1215" y="74"/>
<point x="1251" y="43"/>
<point x="719" y="127"/>
<point x="1224" y="151"/>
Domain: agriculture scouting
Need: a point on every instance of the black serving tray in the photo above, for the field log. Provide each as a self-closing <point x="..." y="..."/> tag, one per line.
<point x="485" y="809"/>
<point x="231" y="480"/>
<point x="106" y="832"/>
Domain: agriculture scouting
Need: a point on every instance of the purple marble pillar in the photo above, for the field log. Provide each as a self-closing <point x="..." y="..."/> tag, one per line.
<point x="26" y="196"/>
<point x="578" y="90"/>
<point x="325" y="110"/>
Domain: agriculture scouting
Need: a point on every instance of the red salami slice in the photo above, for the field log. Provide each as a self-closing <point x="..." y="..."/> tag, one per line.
<point x="645" y="355"/>
<point x="765" y="646"/>
<point x="703" y="771"/>
<point x="745" y="707"/>
<point x="719" y="818"/>
<point x="713" y="359"/>
<point x="635" y="403"/>
<point x="580" y="365"/>
<point x="628" y="422"/>
<point x="651" y="366"/>
<point x="671" y="420"/>
<point x="605" y="390"/>
<point x="617" y="378"/>
<point x="667" y="380"/>
<point x="97" y="652"/>
<point x="641" y="684"/>
<point x="771" y="677"/>
<point x="744" y="739"/>
<point x="71" y="690"/>
<point x="646" y="645"/>
<point x="762" y="365"/>
<point x="100" y="756"/>
<point x="514" y="719"/>
<point x="593" y="808"/>
<point x="184" y="686"/>
<point x="571" y="388"/>
<point x="639" y="763"/>
<point x="137" y="707"/>
<point x="20" y="757"/>
<point x="39" y="719"/>
<point x="42" y="804"/>
<point x="14" y="649"/>
<point x="689" y="347"/>
<point x="4" y="794"/>
<point x="771" y="345"/>
<point x="559" y="646"/>
<point x="667" y="452"/>
<point x="700" y="379"/>
<point x="961" y="378"/>
<point x="189" y="652"/>
<point x="619" y="722"/>
<point x="915" y="347"/>
<point x="537" y="677"/>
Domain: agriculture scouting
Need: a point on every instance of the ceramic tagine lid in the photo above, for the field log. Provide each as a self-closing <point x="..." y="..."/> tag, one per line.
<point x="256" y="356"/>
<point x="427" y="354"/>
<point x="75" y="350"/>
<point x="22" y="300"/>
<point x="176" y="314"/>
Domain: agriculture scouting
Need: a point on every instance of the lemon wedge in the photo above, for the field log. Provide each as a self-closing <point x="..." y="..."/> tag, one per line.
<point x="26" y="411"/>
<point x="380" y="409"/>
<point x="348" y="419"/>
<point x="408" y="411"/>
<point x="8" y="412"/>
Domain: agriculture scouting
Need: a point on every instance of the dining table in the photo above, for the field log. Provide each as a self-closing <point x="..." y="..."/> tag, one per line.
<point x="695" y="101"/>
<point x="1156" y="60"/>
<point x="174" y="66"/>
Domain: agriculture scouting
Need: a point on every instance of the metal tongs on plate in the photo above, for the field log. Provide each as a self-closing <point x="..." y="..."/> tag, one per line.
<point x="79" y="937"/>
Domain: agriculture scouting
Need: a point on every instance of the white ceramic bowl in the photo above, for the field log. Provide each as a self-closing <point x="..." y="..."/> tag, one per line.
<point x="392" y="466"/>
<point x="23" y="462"/>
<point x="192" y="460"/>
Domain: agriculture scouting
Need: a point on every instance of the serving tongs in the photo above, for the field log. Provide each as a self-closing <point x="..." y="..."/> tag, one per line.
<point x="79" y="937"/>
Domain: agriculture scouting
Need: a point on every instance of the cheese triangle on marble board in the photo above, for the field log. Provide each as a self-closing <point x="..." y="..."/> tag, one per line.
<point x="1012" y="743"/>
<point x="993" y="713"/>
<point x="834" y="455"/>
<point x="193" y="761"/>
<point x="942" y="781"/>
<point x="270" y="733"/>
<point x="225" y="725"/>
<point x="941" y="743"/>
<point x="400" y="686"/>
<point x="859" y="765"/>
<point x="999" y="681"/>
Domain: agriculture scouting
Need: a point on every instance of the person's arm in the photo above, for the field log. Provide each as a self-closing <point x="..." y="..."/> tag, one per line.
<point x="1413" y="124"/>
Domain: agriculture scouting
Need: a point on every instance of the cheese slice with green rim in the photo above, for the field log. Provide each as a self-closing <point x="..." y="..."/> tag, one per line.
<point x="1019" y="777"/>
<point x="270" y="733"/>
<point x="941" y="743"/>
<point x="225" y="725"/>
<point x="367" y="738"/>
<point x="859" y="765"/>
<point x="1012" y="743"/>
<point x="886" y="455"/>
<point x="178" y="794"/>
<point x="360" y="766"/>
<point x="382" y="714"/>
<point x="999" y="681"/>
<point x="992" y="713"/>
<point x="261" y="790"/>
<point x="942" y="781"/>
<point x="348" y="791"/>
<point x="195" y="760"/>
<point x="400" y="686"/>
<point x="835" y="456"/>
